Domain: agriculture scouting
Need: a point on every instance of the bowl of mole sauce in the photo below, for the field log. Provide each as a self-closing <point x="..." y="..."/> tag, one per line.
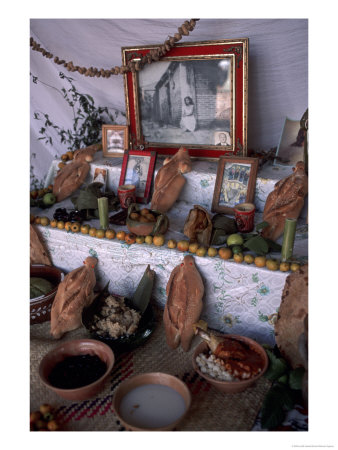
<point x="77" y="369"/>
<point x="152" y="402"/>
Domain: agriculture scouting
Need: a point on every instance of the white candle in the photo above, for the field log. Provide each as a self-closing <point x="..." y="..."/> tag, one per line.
<point x="152" y="406"/>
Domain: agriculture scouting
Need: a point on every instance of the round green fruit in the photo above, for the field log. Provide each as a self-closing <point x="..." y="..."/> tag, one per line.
<point x="49" y="199"/>
<point x="234" y="239"/>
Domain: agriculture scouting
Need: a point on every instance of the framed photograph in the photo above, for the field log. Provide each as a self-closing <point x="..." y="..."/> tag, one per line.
<point x="196" y="96"/>
<point x="290" y="149"/>
<point x="114" y="140"/>
<point x="235" y="183"/>
<point x="138" y="169"/>
<point x="100" y="176"/>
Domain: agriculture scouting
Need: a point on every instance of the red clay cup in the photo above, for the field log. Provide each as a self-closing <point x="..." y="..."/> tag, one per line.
<point x="127" y="195"/>
<point x="244" y="217"/>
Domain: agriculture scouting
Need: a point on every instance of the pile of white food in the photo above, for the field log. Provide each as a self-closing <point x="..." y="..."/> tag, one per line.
<point x="116" y="318"/>
<point x="210" y="365"/>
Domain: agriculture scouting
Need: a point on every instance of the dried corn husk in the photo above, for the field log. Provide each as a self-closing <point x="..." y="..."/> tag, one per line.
<point x="198" y="226"/>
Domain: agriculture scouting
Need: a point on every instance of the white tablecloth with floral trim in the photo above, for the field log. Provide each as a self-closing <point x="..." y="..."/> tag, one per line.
<point x="239" y="298"/>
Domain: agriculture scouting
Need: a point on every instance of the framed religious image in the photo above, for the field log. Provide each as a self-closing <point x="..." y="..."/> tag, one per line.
<point x="235" y="183"/>
<point x="138" y="169"/>
<point x="114" y="140"/>
<point x="195" y="96"/>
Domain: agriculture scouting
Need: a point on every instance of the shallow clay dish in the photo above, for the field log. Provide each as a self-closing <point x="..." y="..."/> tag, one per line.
<point x="231" y="387"/>
<point x="158" y="378"/>
<point x="147" y="228"/>
<point x="74" y="348"/>
<point x="41" y="306"/>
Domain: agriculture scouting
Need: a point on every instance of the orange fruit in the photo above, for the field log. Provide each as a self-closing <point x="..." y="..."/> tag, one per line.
<point x="44" y="221"/>
<point x="148" y="240"/>
<point x="70" y="155"/>
<point x="260" y="261"/>
<point x="172" y="243"/>
<point x="284" y="267"/>
<point x="139" y="240"/>
<point x="121" y="235"/>
<point x="249" y="259"/>
<point x="271" y="264"/>
<point x="130" y="238"/>
<point x="183" y="246"/>
<point x="92" y="232"/>
<point x="193" y="247"/>
<point x="238" y="257"/>
<point x="64" y="157"/>
<point x="75" y="227"/>
<point x="61" y="165"/>
<point x="85" y="229"/>
<point x="100" y="233"/>
<point x="158" y="240"/>
<point x="294" y="267"/>
<point x="212" y="252"/>
<point x="53" y="223"/>
<point x="61" y="225"/>
<point x="201" y="251"/>
<point x="37" y="220"/>
<point x="68" y="226"/>
<point x="110" y="233"/>
<point x="134" y="216"/>
<point x="225" y="252"/>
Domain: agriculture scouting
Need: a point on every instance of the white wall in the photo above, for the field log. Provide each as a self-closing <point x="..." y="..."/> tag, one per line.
<point x="278" y="68"/>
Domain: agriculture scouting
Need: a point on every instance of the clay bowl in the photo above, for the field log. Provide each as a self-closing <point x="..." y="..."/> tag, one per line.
<point x="40" y="307"/>
<point x="160" y="226"/>
<point x="156" y="378"/>
<point x="73" y="348"/>
<point x="231" y="387"/>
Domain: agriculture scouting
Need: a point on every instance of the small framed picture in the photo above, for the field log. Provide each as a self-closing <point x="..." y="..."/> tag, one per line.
<point x="235" y="183"/>
<point x="114" y="140"/>
<point x="100" y="176"/>
<point x="138" y="168"/>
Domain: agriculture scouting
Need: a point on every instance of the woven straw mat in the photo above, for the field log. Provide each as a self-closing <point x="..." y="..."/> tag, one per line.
<point x="210" y="410"/>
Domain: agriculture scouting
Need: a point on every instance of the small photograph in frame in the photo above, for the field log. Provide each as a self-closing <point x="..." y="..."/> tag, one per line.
<point x="138" y="169"/>
<point x="222" y="138"/>
<point x="100" y="176"/>
<point x="291" y="145"/>
<point x="114" y="140"/>
<point x="235" y="183"/>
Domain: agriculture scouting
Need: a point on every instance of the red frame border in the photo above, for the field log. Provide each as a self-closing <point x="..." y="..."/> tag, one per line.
<point x="236" y="47"/>
<point x="150" y="174"/>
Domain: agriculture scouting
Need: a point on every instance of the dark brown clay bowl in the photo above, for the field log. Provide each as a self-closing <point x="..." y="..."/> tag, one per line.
<point x="151" y="378"/>
<point x="231" y="387"/>
<point x="73" y="348"/>
<point x="147" y="228"/>
<point x="41" y="306"/>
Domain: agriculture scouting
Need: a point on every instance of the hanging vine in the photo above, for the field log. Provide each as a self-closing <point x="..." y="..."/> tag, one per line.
<point x="153" y="55"/>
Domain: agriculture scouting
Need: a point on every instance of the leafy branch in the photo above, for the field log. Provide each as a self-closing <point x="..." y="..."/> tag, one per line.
<point x="87" y="117"/>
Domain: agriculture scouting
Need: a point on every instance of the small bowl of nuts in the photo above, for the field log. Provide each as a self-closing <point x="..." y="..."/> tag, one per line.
<point x="245" y="362"/>
<point x="144" y="222"/>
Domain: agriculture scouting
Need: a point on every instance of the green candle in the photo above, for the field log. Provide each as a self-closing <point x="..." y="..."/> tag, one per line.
<point x="288" y="238"/>
<point x="103" y="212"/>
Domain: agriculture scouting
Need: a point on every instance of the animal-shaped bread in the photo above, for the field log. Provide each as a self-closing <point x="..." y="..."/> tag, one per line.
<point x="74" y="293"/>
<point x="184" y="304"/>
<point x="38" y="252"/>
<point x="285" y="201"/>
<point x="169" y="180"/>
<point x="71" y="177"/>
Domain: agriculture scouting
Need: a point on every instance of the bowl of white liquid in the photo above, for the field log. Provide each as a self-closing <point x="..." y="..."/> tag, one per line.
<point x="151" y="402"/>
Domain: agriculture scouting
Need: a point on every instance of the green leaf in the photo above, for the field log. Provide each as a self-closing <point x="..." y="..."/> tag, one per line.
<point x="143" y="291"/>
<point x="296" y="378"/>
<point x="261" y="225"/>
<point x="277" y="366"/>
<point x="257" y="244"/>
<point x="273" y="245"/>
<point x="219" y="237"/>
<point x="272" y="408"/>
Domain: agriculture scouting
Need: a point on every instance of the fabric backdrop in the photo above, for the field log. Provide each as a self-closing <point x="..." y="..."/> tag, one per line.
<point x="278" y="70"/>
